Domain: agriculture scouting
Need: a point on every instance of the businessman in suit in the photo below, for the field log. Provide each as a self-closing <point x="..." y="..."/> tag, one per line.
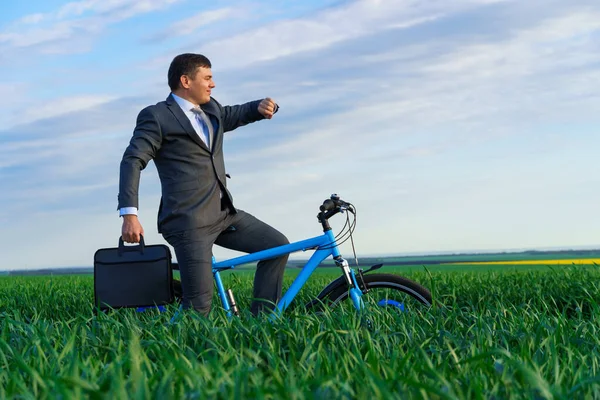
<point x="184" y="137"/>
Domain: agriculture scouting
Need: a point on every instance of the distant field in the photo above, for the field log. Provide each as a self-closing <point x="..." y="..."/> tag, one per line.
<point x="579" y="261"/>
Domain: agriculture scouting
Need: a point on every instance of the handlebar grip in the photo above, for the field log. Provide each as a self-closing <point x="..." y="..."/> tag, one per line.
<point x="328" y="205"/>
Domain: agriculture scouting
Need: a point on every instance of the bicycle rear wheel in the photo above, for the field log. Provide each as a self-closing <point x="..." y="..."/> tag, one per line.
<point x="385" y="290"/>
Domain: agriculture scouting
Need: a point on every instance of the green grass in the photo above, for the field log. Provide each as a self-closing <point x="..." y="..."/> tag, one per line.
<point x="494" y="334"/>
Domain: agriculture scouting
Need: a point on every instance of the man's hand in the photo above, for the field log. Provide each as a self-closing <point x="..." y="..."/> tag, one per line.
<point x="132" y="229"/>
<point x="267" y="107"/>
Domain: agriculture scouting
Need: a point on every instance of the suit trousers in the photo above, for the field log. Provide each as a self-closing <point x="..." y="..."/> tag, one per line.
<point x="194" y="256"/>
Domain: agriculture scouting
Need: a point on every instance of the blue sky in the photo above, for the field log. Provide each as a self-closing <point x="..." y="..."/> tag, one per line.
<point x="452" y="125"/>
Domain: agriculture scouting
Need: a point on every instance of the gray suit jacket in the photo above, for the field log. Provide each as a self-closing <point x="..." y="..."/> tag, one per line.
<point x="190" y="173"/>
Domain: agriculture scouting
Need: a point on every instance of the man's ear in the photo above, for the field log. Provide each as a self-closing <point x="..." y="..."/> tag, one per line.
<point x="185" y="81"/>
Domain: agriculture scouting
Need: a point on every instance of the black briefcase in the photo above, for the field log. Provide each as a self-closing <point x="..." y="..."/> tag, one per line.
<point x="133" y="276"/>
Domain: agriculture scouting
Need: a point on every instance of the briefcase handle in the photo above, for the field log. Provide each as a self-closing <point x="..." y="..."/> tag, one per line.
<point x="125" y="249"/>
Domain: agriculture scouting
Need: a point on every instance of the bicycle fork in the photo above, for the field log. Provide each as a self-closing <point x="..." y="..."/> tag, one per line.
<point x="355" y="291"/>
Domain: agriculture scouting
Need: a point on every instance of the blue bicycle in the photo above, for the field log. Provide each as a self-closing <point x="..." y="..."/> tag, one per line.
<point x="387" y="290"/>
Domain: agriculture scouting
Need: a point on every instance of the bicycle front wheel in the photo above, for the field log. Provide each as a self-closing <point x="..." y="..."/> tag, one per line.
<point x="386" y="290"/>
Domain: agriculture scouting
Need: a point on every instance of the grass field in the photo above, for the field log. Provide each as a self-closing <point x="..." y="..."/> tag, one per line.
<point x="521" y="332"/>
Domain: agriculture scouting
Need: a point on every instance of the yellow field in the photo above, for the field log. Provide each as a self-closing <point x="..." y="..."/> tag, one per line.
<point x="580" y="261"/>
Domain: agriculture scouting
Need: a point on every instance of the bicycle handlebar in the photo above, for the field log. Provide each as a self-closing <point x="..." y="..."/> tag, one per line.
<point x="333" y="202"/>
<point x="333" y="205"/>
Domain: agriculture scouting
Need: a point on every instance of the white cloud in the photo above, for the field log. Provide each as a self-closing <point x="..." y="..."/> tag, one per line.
<point x="229" y="16"/>
<point x="32" y="18"/>
<point x="330" y="26"/>
<point x="11" y="91"/>
<point x="558" y="43"/>
<point x="284" y="38"/>
<point x="76" y="9"/>
<point x="56" y="107"/>
<point x="193" y="23"/>
<point x="69" y="22"/>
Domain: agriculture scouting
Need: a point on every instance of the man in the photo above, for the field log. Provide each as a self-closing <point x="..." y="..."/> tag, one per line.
<point x="184" y="137"/>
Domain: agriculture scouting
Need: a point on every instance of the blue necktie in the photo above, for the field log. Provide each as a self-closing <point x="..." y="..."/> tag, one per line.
<point x="203" y="122"/>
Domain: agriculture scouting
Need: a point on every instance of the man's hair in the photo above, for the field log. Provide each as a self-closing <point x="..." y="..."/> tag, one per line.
<point x="185" y="64"/>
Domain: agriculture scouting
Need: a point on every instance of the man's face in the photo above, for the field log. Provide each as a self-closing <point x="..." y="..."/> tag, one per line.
<point x="199" y="86"/>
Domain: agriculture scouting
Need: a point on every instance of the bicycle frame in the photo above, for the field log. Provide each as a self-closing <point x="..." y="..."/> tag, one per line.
<point x="325" y="245"/>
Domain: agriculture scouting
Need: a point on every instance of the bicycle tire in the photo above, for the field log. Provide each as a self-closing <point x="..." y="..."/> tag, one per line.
<point x="386" y="281"/>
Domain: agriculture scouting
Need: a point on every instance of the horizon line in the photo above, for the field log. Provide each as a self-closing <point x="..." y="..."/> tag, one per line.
<point x="405" y="254"/>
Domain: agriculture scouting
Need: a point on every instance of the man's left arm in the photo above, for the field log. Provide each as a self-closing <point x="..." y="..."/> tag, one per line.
<point x="235" y="116"/>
